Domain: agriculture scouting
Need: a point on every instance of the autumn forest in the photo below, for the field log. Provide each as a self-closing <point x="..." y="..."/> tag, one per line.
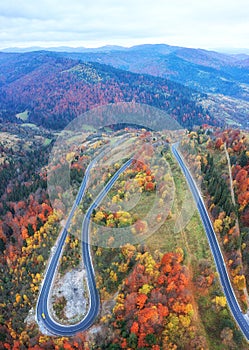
<point x="156" y="277"/>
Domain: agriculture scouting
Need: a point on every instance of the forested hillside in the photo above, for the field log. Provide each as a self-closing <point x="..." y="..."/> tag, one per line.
<point x="207" y="71"/>
<point x="223" y="77"/>
<point x="53" y="90"/>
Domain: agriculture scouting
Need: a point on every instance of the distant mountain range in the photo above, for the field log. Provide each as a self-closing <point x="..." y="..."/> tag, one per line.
<point x="107" y="48"/>
<point x="222" y="78"/>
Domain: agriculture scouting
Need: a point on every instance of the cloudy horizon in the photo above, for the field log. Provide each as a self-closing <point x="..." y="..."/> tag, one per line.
<point x="84" y="23"/>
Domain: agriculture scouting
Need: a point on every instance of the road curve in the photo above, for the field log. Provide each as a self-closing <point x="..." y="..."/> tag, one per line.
<point x="240" y="318"/>
<point x="42" y="306"/>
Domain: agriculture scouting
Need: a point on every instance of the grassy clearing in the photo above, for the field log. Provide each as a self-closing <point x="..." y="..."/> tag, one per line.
<point x="23" y="116"/>
<point x="191" y="238"/>
<point x="47" y="142"/>
<point x="144" y="205"/>
<point x="30" y="125"/>
<point x="87" y="127"/>
<point x="197" y="240"/>
<point x="164" y="239"/>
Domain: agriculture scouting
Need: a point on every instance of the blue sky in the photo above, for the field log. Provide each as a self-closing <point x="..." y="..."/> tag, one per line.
<point x="191" y="23"/>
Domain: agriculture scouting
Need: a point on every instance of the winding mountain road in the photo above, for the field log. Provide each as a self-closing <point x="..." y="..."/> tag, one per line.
<point x="241" y="319"/>
<point x="43" y="315"/>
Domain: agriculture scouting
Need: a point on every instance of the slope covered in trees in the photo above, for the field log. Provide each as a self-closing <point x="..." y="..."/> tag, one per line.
<point x="207" y="71"/>
<point x="54" y="90"/>
<point x="223" y="77"/>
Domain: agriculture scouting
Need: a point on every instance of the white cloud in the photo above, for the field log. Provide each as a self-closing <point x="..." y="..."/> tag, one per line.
<point x="89" y="23"/>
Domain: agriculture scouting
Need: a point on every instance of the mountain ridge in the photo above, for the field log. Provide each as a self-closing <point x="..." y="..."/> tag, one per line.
<point x="53" y="90"/>
<point x="163" y="46"/>
<point x="223" y="78"/>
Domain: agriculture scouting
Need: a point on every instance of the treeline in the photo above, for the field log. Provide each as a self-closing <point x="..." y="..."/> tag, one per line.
<point x="20" y="174"/>
<point x="218" y="188"/>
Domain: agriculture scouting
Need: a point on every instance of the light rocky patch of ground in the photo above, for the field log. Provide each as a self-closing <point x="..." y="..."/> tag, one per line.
<point x="72" y="287"/>
<point x="30" y="319"/>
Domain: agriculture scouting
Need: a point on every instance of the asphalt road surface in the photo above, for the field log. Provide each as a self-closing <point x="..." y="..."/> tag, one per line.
<point x="43" y="316"/>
